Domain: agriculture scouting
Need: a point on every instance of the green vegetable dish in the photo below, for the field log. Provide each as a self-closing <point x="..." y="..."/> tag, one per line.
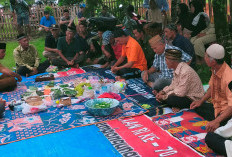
<point x="64" y="85"/>
<point x="102" y="105"/>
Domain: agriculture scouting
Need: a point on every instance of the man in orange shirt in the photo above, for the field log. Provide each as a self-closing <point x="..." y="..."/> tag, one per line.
<point x="136" y="61"/>
<point x="218" y="89"/>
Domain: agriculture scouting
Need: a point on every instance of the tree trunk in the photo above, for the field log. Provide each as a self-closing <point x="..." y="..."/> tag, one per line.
<point x="173" y="11"/>
<point x="222" y="27"/>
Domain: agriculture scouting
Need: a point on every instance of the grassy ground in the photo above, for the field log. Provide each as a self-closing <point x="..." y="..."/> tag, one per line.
<point x="203" y="71"/>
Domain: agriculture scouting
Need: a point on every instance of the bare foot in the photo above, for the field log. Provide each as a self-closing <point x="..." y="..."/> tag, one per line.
<point x="175" y="110"/>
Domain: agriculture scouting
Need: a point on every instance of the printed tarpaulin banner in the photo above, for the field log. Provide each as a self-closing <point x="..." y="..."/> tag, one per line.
<point x="138" y="136"/>
<point x="65" y="72"/>
<point x="69" y="72"/>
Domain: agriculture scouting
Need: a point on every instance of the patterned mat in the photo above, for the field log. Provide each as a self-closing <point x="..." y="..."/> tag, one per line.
<point x="188" y="127"/>
<point x="17" y="126"/>
<point x="136" y="90"/>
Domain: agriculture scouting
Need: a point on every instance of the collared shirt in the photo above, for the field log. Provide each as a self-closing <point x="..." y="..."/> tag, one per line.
<point x="63" y="18"/>
<point x="117" y="50"/>
<point x="220" y="93"/>
<point x="47" y="22"/>
<point x="185" y="44"/>
<point x="51" y="42"/>
<point x="28" y="58"/>
<point x="21" y="8"/>
<point x="134" y="53"/>
<point x="68" y="50"/>
<point x="185" y="83"/>
<point x="160" y="63"/>
<point x="148" y="51"/>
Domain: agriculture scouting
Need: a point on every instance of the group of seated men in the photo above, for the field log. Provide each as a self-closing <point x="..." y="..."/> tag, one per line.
<point x="170" y="73"/>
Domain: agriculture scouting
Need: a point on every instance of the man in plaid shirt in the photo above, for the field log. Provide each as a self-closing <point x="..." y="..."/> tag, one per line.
<point x="159" y="76"/>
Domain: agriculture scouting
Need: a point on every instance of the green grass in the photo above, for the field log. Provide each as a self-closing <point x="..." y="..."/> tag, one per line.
<point x="204" y="73"/>
<point x="202" y="70"/>
<point x="9" y="62"/>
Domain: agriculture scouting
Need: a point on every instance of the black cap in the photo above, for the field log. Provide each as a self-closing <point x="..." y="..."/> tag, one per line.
<point x="3" y="46"/>
<point x="171" y="26"/>
<point x="21" y="36"/>
<point x="71" y="29"/>
<point x="119" y="33"/>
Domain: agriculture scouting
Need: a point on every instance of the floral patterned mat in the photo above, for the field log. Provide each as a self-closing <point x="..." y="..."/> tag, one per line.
<point x="188" y="127"/>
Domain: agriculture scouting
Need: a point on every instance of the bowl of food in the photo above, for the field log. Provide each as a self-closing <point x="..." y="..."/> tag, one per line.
<point x="101" y="106"/>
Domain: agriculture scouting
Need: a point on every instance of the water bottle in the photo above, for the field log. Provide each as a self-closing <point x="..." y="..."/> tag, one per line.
<point x="18" y="108"/>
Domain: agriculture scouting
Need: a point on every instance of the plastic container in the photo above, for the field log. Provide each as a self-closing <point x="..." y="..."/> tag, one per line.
<point x="18" y="108"/>
<point x="119" y="87"/>
<point x="88" y="92"/>
<point x="97" y="93"/>
<point x="106" y="88"/>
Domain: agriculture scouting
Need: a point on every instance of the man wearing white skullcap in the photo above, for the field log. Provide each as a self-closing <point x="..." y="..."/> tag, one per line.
<point x="221" y="111"/>
<point x="218" y="91"/>
<point x="216" y="51"/>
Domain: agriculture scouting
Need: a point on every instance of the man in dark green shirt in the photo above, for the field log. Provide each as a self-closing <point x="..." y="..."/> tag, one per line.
<point x="143" y="40"/>
<point x="69" y="51"/>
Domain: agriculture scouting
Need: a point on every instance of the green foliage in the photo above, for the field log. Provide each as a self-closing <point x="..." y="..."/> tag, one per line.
<point x="120" y="12"/>
<point x="30" y="2"/>
<point x="222" y="28"/>
<point x="204" y="73"/>
<point x="92" y="5"/>
<point x="69" y="2"/>
<point x="49" y="9"/>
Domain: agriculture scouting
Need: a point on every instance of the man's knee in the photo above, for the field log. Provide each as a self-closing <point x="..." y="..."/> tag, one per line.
<point x="208" y="138"/>
<point x="23" y="70"/>
<point x="46" y="54"/>
<point x="198" y="42"/>
<point x="159" y="84"/>
<point x="7" y="84"/>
